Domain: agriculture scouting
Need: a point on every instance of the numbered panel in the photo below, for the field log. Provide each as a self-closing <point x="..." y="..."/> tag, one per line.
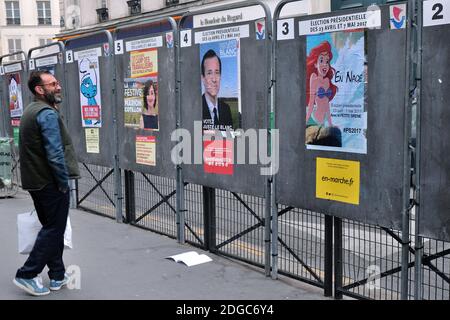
<point x="227" y="97"/>
<point x="340" y="111"/>
<point x="146" y="97"/>
<point x="90" y="108"/>
<point x="434" y="221"/>
<point x="436" y="12"/>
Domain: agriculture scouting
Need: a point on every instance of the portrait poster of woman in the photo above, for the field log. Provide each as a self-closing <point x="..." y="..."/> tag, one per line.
<point x="336" y="116"/>
<point x="149" y="116"/>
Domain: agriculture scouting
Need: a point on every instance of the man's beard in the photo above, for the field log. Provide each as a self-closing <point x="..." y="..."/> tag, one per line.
<point x="52" y="98"/>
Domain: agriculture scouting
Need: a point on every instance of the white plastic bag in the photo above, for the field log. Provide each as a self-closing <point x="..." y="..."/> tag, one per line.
<point x="28" y="227"/>
<point x="68" y="235"/>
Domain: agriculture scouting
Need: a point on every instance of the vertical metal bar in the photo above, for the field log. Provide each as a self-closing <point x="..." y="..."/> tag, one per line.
<point x="118" y="189"/>
<point x="3" y="126"/>
<point x="274" y="239"/>
<point x="418" y="240"/>
<point x="209" y="211"/>
<point x="212" y="221"/>
<point x="406" y="160"/>
<point x="338" y="258"/>
<point x="77" y="188"/>
<point x="117" y="172"/>
<point x="328" y="281"/>
<point x="130" y="197"/>
<point x="418" y="274"/>
<point x="180" y="207"/>
<point x="271" y="206"/>
<point x="268" y="208"/>
<point x="272" y="115"/>
<point x="73" y="194"/>
<point x="179" y="184"/>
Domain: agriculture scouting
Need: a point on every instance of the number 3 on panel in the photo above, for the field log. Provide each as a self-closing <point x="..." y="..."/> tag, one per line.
<point x="285" y="29"/>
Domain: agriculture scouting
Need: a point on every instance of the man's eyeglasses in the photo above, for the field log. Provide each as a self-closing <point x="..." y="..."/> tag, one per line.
<point x="53" y="84"/>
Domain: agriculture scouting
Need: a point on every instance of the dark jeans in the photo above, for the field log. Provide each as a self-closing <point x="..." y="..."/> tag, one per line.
<point x="52" y="207"/>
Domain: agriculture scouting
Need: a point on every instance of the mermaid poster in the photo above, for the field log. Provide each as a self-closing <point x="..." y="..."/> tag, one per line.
<point x="336" y="115"/>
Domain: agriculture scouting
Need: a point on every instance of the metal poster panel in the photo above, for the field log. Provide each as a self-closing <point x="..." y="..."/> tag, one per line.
<point x="434" y="180"/>
<point x="343" y="136"/>
<point x="227" y="106"/>
<point x="90" y="99"/>
<point x="146" y="97"/>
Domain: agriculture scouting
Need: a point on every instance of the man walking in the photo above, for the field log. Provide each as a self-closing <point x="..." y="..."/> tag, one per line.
<point x="47" y="162"/>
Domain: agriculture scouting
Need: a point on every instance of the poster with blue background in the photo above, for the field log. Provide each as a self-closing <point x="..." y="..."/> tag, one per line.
<point x="223" y="87"/>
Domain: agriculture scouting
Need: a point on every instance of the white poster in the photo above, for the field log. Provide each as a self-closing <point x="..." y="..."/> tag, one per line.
<point x="90" y="91"/>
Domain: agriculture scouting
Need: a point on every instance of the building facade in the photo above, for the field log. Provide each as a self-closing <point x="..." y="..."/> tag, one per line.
<point x="25" y="24"/>
<point x="82" y="15"/>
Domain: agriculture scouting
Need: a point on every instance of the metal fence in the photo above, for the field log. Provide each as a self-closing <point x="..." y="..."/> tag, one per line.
<point x="301" y="245"/>
<point x="360" y="260"/>
<point x="370" y="255"/>
<point x="95" y="191"/>
<point x="9" y="175"/>
<point x="155" y="204"/>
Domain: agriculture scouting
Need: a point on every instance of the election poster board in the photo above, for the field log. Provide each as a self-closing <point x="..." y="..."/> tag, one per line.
<point x="229" y="101"/>
<point x="220" y="66"/>
<point x="338" y="133"/>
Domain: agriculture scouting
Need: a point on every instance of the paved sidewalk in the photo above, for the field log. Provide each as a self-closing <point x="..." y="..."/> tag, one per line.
<point x="119" y="261"/>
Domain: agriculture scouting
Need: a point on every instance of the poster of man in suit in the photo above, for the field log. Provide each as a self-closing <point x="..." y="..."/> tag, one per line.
<point x="220" y="78"/>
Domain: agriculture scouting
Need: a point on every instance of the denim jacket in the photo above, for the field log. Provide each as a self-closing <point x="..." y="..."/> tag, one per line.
<point x="47" y="120"/>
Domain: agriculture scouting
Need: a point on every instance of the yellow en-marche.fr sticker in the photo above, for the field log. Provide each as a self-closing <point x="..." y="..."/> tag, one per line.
<point x="338" y="180"/>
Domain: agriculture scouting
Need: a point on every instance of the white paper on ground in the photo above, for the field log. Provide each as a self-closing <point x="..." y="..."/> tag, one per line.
<point x="190" y="258"/>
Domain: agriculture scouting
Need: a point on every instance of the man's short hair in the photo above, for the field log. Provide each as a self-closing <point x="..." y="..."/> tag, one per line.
<point x="210" y="54"/>
<point x="35" y="79"/>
